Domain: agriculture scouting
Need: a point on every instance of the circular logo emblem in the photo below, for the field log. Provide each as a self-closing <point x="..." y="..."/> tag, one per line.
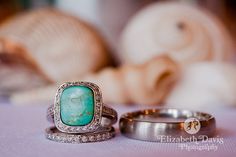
<point x="192" y="125"/>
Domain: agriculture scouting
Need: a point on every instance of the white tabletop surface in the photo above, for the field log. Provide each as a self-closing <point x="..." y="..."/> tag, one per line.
<point x="22" y="135"/>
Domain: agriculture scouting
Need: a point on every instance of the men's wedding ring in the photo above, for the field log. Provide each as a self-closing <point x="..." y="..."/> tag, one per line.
<point x="156" y="124"/>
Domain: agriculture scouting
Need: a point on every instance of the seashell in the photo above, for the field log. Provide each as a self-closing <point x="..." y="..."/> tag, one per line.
<point x="47" y="46"/>
<point x="148" y="84"/>
<point x="204" y="84"/>
<point x="186" y="33"/>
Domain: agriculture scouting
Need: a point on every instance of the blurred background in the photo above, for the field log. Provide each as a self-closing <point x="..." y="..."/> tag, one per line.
<point x="94" y="11"/>
<point x="148" y="52"/>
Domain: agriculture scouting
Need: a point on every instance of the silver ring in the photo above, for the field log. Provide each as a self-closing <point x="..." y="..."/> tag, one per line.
<point x="103" y="134"/>
<point x="78" y="108"/>
<point x="154" y="124"/>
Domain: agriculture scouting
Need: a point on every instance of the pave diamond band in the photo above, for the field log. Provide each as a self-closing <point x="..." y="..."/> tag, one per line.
<point x="104" y="134"/>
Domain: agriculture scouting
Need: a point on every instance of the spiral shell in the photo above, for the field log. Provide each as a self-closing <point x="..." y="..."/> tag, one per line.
<point x="53" y="46"/>
<point x="147" y="84"/>
<point x="186" y="33"/>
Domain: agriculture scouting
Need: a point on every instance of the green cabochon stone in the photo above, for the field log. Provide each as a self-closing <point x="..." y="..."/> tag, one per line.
<point x="77" y="106"/>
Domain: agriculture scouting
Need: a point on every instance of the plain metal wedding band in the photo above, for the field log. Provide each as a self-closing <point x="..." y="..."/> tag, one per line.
<point x="109" y="115"/>
<point x="154" y="124"/>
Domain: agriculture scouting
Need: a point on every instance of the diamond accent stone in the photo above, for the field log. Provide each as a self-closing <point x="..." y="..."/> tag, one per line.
<point x="84" y="139"/>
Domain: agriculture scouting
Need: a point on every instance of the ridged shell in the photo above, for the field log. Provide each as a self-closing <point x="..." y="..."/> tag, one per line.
<point x="56" y="47"/>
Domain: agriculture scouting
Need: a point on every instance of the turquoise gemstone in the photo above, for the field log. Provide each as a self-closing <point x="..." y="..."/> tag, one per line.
<point x="77" y="106"/>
